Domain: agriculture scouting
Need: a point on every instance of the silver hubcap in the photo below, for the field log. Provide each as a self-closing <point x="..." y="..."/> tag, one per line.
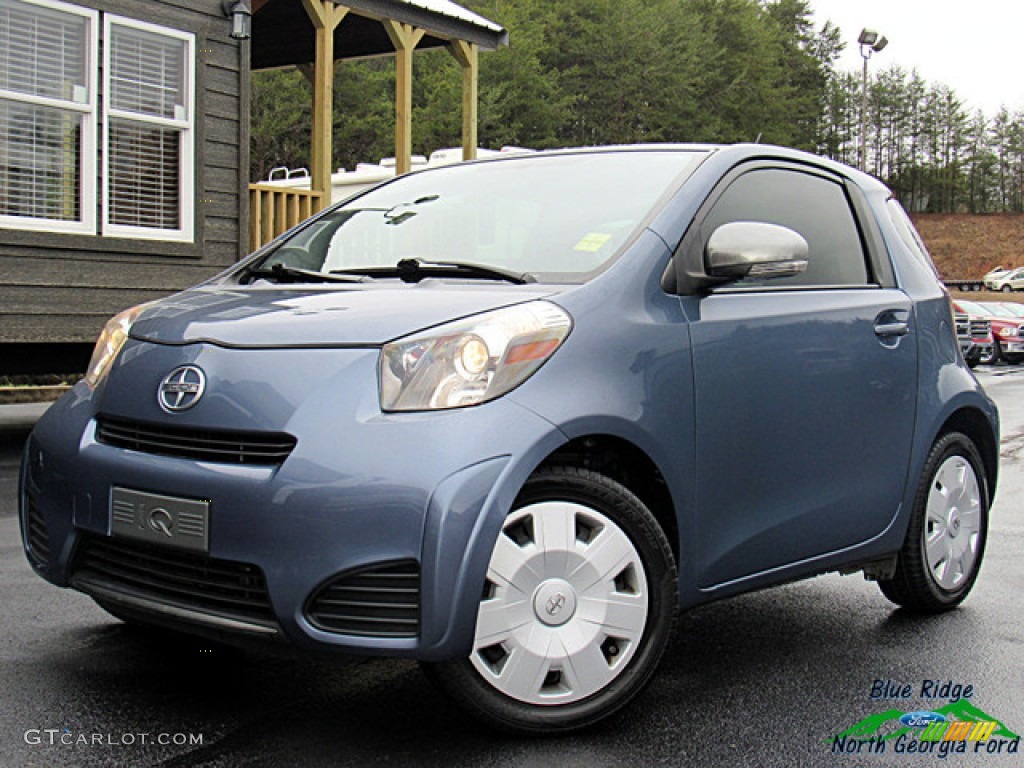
<point x="564" y="607"/>
<point x="952" y="531"/>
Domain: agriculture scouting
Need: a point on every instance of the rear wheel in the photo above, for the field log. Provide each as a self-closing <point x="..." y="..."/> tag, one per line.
<point x="945" y="542"/>
<point x="578" y="605"/>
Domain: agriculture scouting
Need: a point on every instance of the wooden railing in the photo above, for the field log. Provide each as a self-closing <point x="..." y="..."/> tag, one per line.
<point x="273" y="210"/>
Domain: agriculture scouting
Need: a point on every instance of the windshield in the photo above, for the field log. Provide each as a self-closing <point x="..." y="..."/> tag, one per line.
<point x="997" y="310"/>
<point x="555" y="218"/>
<point x="971" y="308"/>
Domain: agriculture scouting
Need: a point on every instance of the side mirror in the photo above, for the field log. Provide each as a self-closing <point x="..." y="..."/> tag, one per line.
<point x="754" y="249"/>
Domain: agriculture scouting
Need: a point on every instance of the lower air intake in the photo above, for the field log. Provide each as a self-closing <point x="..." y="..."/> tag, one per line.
<point x="37" y="535"/>
<point x="380" y="601"/>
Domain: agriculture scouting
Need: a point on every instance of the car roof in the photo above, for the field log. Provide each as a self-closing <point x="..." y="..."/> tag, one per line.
<point x="737" y="153"/>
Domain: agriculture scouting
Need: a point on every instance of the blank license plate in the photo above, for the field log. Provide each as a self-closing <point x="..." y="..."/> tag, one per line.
<point x="167" y="520"/>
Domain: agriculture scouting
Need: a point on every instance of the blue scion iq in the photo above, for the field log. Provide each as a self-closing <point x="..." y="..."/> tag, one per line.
<point x="507" y="417"/>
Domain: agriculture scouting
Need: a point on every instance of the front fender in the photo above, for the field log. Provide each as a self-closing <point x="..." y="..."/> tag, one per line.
<point x="464" y="518"/>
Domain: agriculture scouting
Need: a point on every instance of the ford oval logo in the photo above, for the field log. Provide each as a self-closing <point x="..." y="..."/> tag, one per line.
<point x="921" y="719"/>
<point x="182" y="388"/>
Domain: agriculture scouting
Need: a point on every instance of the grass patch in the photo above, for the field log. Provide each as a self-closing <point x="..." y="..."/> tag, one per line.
<point x="35" y="388"/>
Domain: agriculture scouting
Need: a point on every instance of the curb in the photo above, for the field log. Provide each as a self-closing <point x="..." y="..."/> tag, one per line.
<point x="20" y="417"/>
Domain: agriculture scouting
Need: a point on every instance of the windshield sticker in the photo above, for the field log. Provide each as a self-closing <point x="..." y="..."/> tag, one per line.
<point x="592" y="242"/>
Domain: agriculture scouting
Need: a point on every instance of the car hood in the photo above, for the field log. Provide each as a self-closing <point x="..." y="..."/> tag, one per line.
<point x="317" y="316"/>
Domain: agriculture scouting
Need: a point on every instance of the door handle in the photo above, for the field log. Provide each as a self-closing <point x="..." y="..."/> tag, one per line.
<point x="892" y="329"/>
<point x="892" y="322"/>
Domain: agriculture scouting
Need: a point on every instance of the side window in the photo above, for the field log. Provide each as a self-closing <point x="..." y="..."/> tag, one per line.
<point x="814" y="206"/>
<point x="905" y="228"/>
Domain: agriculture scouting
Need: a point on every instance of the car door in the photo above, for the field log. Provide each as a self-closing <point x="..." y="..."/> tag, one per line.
<point x="805" y="385"/>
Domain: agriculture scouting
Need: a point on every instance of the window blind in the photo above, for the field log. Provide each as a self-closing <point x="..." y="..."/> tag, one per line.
<point x="147" y="73"/>
<point x="46" y="114"/>
<point x="145" y="175"/>
<point x="43" y="52"/>
<point x="40" y="168"/>
<point x="147" y="123"/>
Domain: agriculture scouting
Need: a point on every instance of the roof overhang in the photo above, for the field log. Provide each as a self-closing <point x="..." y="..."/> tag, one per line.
<point x="282" y="33"/>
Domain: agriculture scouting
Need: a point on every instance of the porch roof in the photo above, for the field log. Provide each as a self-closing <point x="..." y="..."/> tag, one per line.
<point x="283" y="36"/>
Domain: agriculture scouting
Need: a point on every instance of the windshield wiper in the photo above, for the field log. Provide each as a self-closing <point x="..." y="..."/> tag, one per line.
<point x="282" y="273"/>
<point x="414" y="270"/>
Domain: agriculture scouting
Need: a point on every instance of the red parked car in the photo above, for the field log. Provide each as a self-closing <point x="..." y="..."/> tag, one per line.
<point x="1007" y="330"/>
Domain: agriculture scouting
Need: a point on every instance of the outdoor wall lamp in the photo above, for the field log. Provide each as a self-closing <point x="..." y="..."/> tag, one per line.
<point x="240" y="14"/>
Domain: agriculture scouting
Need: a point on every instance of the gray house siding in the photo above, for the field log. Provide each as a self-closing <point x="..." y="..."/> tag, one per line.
<point x="59" y="288"/>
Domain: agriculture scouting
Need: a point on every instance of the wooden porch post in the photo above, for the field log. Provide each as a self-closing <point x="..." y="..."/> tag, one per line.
<point x="467" y="54"/>
<point x="325" y="16"/>
<point x="404" y="37"/>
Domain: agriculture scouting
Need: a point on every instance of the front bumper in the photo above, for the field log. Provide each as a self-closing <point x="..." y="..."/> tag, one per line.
<point x="361" y="494"/>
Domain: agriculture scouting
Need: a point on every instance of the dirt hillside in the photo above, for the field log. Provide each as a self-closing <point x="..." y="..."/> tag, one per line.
<point x="967" y="246"/>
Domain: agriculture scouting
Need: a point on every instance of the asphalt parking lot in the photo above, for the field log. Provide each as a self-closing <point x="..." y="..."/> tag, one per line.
<point x="767" y="679"/>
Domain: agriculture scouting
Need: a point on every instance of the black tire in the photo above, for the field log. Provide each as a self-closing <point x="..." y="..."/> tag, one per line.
<point x="994" y="356"/>
<point x="1014" y="359"/>
<point x="466" y="684"/>
<point x="915" y="585"/>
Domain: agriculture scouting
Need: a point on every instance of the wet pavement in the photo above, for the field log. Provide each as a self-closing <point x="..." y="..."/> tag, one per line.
<point x="762" y="680"/>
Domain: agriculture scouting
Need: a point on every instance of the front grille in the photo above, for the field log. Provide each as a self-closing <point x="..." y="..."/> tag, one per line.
<point x="172" y="577"/>
<point x="381" y="601"/>
<point x="980" y="329"/>
<point x="37" y="535"/>
<point x="963" y="325"/>
<point x="222" y="446"/>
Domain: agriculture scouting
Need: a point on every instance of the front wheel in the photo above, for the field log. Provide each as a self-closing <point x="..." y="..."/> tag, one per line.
<point x="1007" y="289"/>
<point x="577" y="607"/>
<point x="993" y="356"/>
<point x="945" y="541"/>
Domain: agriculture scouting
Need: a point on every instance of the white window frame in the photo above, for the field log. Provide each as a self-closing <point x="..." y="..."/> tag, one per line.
<point x="186" y="129"/>
<point x="87" y="110"/>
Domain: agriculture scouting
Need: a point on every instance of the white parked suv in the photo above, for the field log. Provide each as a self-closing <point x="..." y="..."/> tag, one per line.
<point x="1011" y="280"/>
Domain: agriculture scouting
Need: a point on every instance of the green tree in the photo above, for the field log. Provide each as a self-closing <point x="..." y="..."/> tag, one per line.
<point x="281" y="115"/>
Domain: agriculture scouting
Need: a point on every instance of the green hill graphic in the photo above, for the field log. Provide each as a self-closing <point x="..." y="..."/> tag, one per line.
<point x="886" y="725"/>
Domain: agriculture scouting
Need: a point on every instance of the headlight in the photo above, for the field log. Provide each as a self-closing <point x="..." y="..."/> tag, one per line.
<point x="470" y="361"/>
<point x="111" y="339"/>
<point x="1008" y="331"/>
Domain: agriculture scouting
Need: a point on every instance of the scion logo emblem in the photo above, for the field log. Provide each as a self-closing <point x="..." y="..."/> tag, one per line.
<point x="182" y="388"/>
<point x="555" y="604"/>
<point x="160" y="520"/>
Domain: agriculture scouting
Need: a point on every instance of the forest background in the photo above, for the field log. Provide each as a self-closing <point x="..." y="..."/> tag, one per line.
<point x="591" y="72"/>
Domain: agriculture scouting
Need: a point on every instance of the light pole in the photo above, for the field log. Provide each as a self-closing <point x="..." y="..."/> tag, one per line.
<point x="870" y="42"/>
